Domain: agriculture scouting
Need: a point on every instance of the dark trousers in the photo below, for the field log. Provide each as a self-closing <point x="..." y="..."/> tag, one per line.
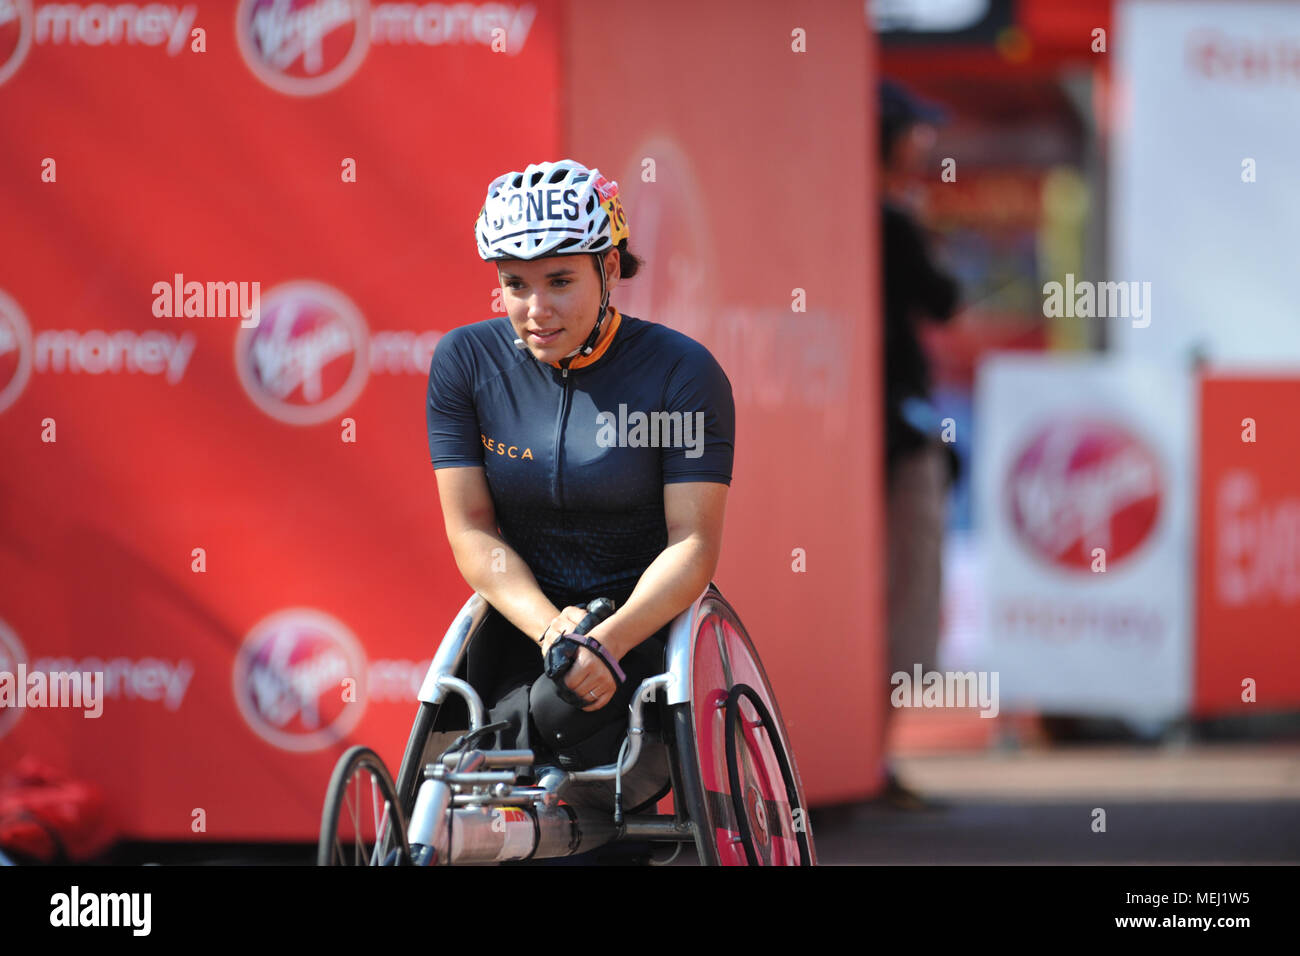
<point x="505" y="666"/>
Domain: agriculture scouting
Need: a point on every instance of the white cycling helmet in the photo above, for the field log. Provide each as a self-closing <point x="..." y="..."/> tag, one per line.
<point x="553" y="209"/>
<point x="550" y="209"/>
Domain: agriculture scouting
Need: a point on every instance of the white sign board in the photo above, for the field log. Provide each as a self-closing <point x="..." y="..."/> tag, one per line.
<point x="1084" y="509"/>
<point x="1204" y="199"/>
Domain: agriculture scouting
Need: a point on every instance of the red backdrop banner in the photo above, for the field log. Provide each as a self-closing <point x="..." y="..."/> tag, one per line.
<point x="750" y="183"/>
<point x="1248" y="576"/>
<point x="231" y="520"/>
<point x="339" y="162"/>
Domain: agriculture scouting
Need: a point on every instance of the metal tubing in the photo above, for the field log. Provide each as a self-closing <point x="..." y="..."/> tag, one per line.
<point x="445" y="682"/>
<point x="517" y="798"/>
<point x="481" y="778"/>
<point x="664" y="828"/>
<point x="635" y="730"/>
<point x="496" y="758"/>
<point x="452" y="647"/>
<point x="431" y="805"/>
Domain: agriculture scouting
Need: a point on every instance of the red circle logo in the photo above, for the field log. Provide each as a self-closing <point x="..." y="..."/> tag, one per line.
<point x="1084" y="485"/>
<point x="306" y="359"/>
<point x="303" y="47"/>
<point x="15" y="35"/>
<point x="290" y="680"/>
<point x="15" y="351"/>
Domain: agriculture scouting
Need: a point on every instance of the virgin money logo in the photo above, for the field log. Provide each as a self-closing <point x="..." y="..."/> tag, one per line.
<point x="12" y="653"/>
<point x="308" y="358"/>
<point x="289" y="680"/>
<point x="667" y="220"/>
<point x="15" y="35"/>
<point x="1083" y="485"/>
<point x="15" y="350"/>
<point x="303" y="47"/>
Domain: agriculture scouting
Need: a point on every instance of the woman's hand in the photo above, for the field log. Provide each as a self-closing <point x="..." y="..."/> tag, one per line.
<point x="564" y="622"/>
<point x="590" y="679"/>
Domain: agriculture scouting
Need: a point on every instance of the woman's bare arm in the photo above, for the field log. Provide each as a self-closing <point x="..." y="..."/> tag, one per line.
<point x="489" y="565"/>
<point x="694" y="512"/>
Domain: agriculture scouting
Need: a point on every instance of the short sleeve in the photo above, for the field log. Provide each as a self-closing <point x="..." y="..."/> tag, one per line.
<point x="454" y="438"/>
<point x="699" y="389"/>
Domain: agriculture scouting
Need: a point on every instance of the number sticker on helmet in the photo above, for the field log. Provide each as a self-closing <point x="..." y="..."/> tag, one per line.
<point x="617" y="221"/>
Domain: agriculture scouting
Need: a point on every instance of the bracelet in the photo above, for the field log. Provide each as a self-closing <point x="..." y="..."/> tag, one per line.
<point x="598" y="649"/>
<point x="541" y="641"/>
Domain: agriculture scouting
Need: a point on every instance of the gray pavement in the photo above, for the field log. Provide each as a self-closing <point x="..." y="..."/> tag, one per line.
<point x="1180" y="805"/>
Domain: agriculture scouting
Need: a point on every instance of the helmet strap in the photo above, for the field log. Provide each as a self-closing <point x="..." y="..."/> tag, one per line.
<point x="589" y="346"/>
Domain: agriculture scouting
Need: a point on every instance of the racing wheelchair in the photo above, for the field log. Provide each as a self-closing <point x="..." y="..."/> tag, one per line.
<point x="736" y="790"/>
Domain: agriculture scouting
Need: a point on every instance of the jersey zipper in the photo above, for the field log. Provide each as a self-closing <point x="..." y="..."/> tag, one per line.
<point x="557" y="486"/>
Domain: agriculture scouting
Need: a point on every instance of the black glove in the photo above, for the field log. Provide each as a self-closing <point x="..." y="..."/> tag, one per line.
<point x="564" y="651"/>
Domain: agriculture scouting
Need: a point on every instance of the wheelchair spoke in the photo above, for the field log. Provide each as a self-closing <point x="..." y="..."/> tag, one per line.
<point x="381" y="834"/>
<point x="362" y="824"/>
<point x="340" y="849"/>
<point x="356" y="826"/>
<point x="720" y="810"/>
<point x="720" y="636"/>
<point x="379" y="807"/>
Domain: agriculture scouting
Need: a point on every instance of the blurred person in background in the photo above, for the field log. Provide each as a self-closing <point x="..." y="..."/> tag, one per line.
<point x="919" y="465"/>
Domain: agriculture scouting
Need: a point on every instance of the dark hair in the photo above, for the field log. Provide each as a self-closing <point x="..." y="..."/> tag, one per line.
<point x="628" y="264"/>
<point x="899" y="111"/>
<point x="890" y="133"/>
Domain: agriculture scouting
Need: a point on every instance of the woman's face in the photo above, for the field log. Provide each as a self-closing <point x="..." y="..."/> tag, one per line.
<point x="552" y="303"/>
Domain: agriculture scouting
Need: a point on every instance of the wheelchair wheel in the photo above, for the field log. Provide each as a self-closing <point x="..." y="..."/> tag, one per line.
<point x="362" y="823"/>
<point x="739" y="781"/>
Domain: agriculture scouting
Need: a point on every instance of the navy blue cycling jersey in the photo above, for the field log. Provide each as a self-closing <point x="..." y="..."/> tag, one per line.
<point x="576" y="462"/>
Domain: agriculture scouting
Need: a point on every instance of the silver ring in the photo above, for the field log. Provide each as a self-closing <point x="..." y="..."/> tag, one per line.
<point x="591" y="694"/>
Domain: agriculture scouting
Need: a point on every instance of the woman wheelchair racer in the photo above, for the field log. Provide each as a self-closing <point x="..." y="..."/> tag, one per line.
<point x="579" y="453"/>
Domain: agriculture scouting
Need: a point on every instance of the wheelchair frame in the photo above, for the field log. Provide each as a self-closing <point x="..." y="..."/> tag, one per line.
<point x="467" y="806"/>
